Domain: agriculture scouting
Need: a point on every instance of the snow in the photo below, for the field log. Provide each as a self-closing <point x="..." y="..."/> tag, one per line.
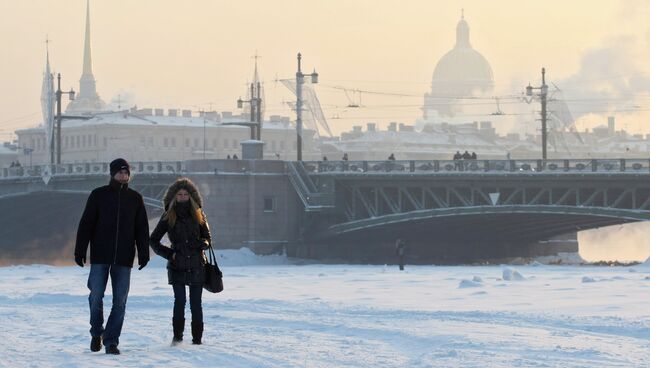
<point x="279" y="312"/>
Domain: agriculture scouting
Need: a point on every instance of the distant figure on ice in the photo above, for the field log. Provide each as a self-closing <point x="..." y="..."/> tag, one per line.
<point x="115" y="223"/>
<point x="188" y="231"/>
<point x="400" y="249"/>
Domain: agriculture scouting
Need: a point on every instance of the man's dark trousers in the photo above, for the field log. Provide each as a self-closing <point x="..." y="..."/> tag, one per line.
<point x="120" y="281"/>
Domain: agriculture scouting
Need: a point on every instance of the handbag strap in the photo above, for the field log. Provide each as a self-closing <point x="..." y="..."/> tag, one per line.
<point x="212" y="259"/>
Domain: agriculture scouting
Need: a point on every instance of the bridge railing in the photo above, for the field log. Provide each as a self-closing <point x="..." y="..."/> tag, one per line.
<point x="478" y="166"/>
<point x="92" y="168"/>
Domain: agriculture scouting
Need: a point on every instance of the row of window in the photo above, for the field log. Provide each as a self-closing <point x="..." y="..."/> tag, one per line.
<point x="90" y="141"/>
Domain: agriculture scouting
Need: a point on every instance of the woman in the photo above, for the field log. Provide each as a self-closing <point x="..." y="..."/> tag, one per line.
<point x="189" y="234"/>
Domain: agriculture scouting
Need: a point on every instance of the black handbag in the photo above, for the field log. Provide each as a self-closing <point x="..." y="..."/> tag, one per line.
<point x="213" y="277"/>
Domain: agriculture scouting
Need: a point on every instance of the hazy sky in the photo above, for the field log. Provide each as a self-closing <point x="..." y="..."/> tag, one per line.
<point x="190" y="54"/>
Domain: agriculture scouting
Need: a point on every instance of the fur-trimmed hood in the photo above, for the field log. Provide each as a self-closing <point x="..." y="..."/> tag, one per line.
<point x="182" y="183"/>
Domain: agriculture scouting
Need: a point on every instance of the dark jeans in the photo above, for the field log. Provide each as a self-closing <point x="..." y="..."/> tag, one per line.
<point x="120" y="281"/>
<point x="195" y="302"/>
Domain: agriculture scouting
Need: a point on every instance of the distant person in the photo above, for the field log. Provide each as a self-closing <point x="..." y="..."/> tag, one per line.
<point x="466" y="156"/>
<point x="457" y="158"/>
<point x="189" y="234"/>
<point x="391" y="157"/>
<point x="234" y="157"/>
<point x="508" y="156"/>
<point x="345" y="157"/>
<point x="228" y="157"/>
<point x="324" y="158"/>
<point x="114" y="222"/>
<point x="473" y="157"/>
<point x="400" y="249"/>
<point x="13" y="164"/>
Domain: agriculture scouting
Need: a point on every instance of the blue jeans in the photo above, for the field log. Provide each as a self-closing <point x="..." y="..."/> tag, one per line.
<point x="195" y="302"/>
<point x="120" y="282"/>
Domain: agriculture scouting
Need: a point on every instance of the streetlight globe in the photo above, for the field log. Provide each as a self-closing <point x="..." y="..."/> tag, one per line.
<point x="314" y="77"/>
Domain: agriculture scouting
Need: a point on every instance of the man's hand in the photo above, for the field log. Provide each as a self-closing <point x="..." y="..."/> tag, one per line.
<point x="80" y="260"/>
<point x="142" y="264"/>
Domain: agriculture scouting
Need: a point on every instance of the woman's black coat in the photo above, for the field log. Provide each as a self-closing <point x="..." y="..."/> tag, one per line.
<point x="188" y="241"/>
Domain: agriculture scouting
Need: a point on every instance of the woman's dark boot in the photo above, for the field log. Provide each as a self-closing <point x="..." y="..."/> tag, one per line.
<point x="179" y="325"/>
<point x="197" y="332"/>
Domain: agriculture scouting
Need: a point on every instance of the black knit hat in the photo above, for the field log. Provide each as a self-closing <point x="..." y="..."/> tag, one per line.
<point x="119" y="164"/>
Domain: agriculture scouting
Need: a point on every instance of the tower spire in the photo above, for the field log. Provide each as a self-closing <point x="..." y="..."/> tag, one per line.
<point x="88" y="62"/>
<point x="88" y="100"/>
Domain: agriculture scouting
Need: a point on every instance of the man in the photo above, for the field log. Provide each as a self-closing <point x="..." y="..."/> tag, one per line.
<point x="114" y="222"/>
<point x="400" y="249"/>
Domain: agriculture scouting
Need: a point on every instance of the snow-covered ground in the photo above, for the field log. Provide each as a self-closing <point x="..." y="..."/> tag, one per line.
<point x="276" y="312"/>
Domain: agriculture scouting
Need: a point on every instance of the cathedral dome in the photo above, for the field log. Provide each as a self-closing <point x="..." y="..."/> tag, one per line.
<point x="463" y="70"/>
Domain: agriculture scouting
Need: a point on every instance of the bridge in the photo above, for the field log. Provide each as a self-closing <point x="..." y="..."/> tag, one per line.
<point x="445" y="210"/>
<point x="517" y="207"/>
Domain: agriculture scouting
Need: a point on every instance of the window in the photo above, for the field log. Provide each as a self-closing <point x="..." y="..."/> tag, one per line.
<point x="196" y="142"/>
<point x="234" y="143"/>
<point x="173" y="141"/>
<point x="187" y="142"/>
<point x="225" y="143"/>
<point x="66" y="142"/>
<point x="105" y="142"/>
<point x="273" y="146"/>
<point x="281" y="145"/>
<point x="165" y="142"/>
<point x="269" y="204"/>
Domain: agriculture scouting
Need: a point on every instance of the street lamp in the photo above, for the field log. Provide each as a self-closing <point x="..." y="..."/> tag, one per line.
<point x="256" y="111"/>
<point x="300" y="79"/>
<point x="58" y="92"/>
<point x="542" y="95"/>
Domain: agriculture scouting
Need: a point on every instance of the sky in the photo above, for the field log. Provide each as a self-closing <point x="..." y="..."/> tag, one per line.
<point x="198" y="54"/>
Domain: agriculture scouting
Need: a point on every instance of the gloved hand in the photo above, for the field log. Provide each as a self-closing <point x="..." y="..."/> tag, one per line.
<point x="142" y="264"/>
<point x="80" y="260"/>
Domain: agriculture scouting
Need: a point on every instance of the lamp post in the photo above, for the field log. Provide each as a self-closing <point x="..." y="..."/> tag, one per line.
<point x="256" y="111"/>
<point x="542" y="95"/>
<point x="300" y="79"/>
<point x="58" y="92"/>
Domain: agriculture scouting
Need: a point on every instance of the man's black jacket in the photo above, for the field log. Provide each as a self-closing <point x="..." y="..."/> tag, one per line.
<point x="113" y="221"/>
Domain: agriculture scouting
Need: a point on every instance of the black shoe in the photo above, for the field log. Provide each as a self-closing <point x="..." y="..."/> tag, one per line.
<point x="112" y="349"/>
<point x="197" y="332"/>
<point x="96" y="343"/>
<point x="178" y="326"/>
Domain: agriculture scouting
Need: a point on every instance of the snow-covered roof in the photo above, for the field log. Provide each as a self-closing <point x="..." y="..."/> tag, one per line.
<point x="128" y="119"/>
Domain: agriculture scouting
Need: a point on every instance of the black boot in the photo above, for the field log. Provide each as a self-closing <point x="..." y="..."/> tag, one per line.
<point x="197" y="332"/>
<point x="179" y="325"/>
<point x="112" y="349"/>
<point x="95" y="343"/>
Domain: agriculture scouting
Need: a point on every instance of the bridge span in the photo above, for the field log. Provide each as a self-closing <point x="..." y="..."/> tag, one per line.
<point x="447" y="211"/>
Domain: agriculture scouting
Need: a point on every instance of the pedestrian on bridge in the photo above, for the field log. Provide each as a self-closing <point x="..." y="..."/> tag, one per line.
<point x="189" y="233"/>
<point x="114" y="222"/>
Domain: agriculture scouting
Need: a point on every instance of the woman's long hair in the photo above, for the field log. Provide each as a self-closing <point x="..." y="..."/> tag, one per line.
<point x="197" y="213"/>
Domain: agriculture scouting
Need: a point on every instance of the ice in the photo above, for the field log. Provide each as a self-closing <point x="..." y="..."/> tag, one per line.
<point x="279" y="312"/>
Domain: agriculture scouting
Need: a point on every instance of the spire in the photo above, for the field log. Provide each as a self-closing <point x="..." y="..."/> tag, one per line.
<point x="88" y="62"/>
<point x="462" y="31"/>
<point x="88" y="100"/>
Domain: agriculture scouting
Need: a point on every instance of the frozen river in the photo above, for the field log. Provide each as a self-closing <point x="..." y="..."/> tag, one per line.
<point x="275" y="313"/>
